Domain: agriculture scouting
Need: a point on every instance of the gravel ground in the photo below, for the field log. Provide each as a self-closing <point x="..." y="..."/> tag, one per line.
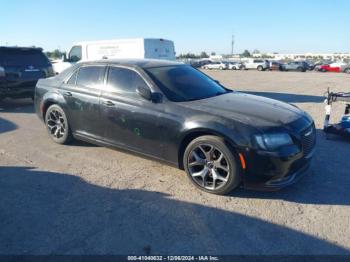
<point x="85" y="199"/>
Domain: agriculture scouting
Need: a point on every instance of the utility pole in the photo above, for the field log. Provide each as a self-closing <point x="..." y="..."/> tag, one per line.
<point x="232" y="43"/>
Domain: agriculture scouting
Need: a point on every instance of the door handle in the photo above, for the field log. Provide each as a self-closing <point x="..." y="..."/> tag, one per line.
<point x="108" y="103"/>
<point x="67" y="94"/>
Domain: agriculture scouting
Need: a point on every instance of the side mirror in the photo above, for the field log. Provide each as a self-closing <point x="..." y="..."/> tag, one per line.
<point x="148" y="95"/>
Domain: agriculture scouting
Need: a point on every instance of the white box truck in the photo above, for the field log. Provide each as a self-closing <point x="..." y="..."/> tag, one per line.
<point x="137" y="48"/>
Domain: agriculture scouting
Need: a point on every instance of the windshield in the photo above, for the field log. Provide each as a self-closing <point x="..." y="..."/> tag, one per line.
<point x="184" y="83"/>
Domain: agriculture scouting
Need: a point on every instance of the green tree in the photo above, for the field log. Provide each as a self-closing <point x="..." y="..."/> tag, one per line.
<point x="246" y="53"/>
<point x="55" y="54"/>
<point x="203" y="55"/>
<point x="213" y="53"/>
<point x="188" y="55"/>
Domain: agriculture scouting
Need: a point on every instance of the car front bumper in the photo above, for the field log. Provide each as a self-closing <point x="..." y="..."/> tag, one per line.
<point x="270" y="171"/>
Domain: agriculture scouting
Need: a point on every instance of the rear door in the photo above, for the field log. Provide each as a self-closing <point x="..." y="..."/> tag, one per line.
<point x="81" y="93"/>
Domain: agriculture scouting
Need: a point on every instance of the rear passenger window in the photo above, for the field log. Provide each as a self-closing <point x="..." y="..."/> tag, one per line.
<point x="124" y="80"/>
<point x="90" y="76"/>
<point x="73" y="78"/>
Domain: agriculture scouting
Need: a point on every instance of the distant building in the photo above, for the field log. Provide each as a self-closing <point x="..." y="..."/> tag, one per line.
<point x="215" y="57"/>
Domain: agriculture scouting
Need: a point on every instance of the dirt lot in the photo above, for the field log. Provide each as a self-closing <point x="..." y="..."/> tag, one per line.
<point x="85" y="199"/>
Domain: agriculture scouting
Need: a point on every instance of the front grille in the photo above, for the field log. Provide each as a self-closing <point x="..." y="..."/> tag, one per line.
<point x="308" y="140"/>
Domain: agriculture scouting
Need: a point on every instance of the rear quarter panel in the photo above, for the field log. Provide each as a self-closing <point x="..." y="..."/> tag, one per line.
<point x="46" y="92"/>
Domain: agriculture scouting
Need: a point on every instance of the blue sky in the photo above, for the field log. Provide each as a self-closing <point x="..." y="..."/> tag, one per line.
<point x="269" y="25"/>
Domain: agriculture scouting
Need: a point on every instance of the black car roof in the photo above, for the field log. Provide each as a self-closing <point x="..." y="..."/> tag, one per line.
<point x="20" y="48"/>
<point x="142" y="63"/>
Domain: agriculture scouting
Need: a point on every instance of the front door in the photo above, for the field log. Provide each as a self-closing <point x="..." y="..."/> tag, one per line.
<point x="130" y="120"/>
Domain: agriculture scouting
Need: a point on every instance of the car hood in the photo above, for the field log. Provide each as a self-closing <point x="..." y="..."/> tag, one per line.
<point x="254" y="110"/>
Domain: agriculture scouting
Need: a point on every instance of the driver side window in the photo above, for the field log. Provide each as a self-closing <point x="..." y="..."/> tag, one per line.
<point x="125" y="81"/>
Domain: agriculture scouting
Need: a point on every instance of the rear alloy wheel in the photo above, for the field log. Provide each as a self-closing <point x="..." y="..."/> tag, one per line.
<point x="260" y="68"/>
<point x="211" y="166"/>
<point x="57" y="124"/>
<point x="220" y="68"/>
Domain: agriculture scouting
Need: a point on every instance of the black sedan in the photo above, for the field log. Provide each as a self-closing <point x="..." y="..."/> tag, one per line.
<point x="175" y="113"/>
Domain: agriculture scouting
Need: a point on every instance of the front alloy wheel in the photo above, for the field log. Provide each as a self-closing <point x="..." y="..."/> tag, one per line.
<point x="211" y="166"/>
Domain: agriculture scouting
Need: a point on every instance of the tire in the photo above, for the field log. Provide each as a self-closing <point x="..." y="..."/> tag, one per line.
<point x="300" y="69"/>
<point x="206" y="171"/>
<point x="57" y="125"/>
<point x="260" y="68"/>
<point x="347" y="71"/>
<point x="220" y="68"/>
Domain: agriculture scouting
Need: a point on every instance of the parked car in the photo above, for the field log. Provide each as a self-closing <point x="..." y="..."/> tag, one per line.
<point x="258" y="64"/>
<point x="234" y="65"/>
<point x="216" y="65"/>
<point x="274" y="66"/>
<point x="300" y="66"/>
<point x="321" y="63"/>
<point x="347" y="69"/>
<point x="175" y="113"/>
<point x="310" y="65"/>
<point x="333" y="67"/>
<point x="20" y="69"/>
<point x="154" y="48"/>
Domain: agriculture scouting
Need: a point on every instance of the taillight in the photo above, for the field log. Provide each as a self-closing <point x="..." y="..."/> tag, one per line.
<point x="2" y="71"/>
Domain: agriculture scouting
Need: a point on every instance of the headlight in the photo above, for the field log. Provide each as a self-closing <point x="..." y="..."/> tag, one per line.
<point x="273" y="141"/>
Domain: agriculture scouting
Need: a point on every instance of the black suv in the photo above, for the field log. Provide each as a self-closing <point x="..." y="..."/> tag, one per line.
<point x="300" y="66"/>
<point x="20" y="69"/>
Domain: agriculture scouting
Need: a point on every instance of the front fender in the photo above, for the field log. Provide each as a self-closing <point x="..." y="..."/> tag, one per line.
<point x="238" y="134"/>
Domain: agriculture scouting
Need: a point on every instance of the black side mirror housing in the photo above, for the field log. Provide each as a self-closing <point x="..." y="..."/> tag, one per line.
<point x="148" y="95"/>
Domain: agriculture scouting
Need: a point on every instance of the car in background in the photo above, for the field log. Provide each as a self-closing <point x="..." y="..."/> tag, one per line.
<point x="258" y="64"/>
<point x="199" y="63"/>
<point x="274" y="66"/>
<point x="347" y="69"/>
<point x="141" y="48"/>
<point x="234" y="65"/>
<point x="321" y="63"/>
<point x="174" y="113"/>
<point x="310" y="65"/>
<point x="336" y="67"/>
<point x="20" y="69"/>
<point x="216" y="65"/>
<point x="299" y="66"/>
